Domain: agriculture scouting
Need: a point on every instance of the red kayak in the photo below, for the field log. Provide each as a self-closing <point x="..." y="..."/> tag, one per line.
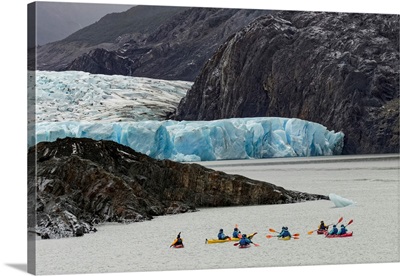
<point x="244" y="246"/>
<point x="322" y="232"/>
<point x="348" y="234"/>
<point x="178" y="246"/>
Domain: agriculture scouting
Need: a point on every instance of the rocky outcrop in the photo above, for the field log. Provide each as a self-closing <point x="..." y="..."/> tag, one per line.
<point x="75" y="183"/>
<point x="176" y="50"/>
<point x="102" y="61"/>
<point x="337" y="69"/>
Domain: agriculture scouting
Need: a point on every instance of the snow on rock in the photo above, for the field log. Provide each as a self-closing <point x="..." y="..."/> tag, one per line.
<point x="239" y="138"/>
<point x="76" y="96"/>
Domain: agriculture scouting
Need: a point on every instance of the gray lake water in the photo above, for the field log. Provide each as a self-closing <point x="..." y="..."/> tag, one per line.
<point x="371" y="181"/>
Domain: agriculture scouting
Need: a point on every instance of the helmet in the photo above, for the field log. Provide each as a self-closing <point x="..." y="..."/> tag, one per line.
<point x="322" y="222"/>
<point x="221" y="230"/>
<point x="334" y="225"/>
<point x="235" y="229"/>
<point x="342" y="225"/>
<point x="283" y="227"/>
<point x="244" y="236"/>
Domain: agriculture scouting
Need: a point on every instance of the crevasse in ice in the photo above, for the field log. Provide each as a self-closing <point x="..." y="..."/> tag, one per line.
<point x="239" y="138"/>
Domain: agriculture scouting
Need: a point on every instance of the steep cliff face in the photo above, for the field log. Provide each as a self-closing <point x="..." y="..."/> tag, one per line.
<point x="75" y="183"/>
<point x="340" y="70"/>
<point x="176" y="50"/>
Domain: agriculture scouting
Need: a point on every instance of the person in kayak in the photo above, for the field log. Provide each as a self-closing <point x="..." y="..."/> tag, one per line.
<point x="322" y="226"/>
<point x="177" y="241"/>
<point x="244" y="240"/>
<point x="334" y="230"/>
<point x="222" y="236"/>
<point x="284" y="233"/>
<point x="342" y="230"/>
<point x="236" y="233"/>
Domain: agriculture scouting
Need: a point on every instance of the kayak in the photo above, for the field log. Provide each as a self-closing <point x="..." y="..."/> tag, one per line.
<point x="284" y="239"/>
<point x="244" y="246"/>
<point x="321" y="232"/>
<point x="176" y="245"/>
<point x="228" y="240"/>
<point x="348" y="234"/>
<point x="221" y="241"/>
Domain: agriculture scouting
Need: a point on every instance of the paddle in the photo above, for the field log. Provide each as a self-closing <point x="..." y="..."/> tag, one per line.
<point x="255" y="244"/>
<point x="350" y="222"/>
<point x="272" y="236"/>
<point x="312" y="231"/>
<point x="173" y="243"/>
<point x="294" y="235"/>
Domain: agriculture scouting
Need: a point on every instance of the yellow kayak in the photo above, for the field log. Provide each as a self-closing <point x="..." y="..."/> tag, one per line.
<point x="228" y="240"/>
<point x="285" y="238"/>
<point x="221" y="241"/>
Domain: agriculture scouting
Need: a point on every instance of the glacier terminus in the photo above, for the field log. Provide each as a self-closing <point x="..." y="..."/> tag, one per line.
<point x="191" y="141"/>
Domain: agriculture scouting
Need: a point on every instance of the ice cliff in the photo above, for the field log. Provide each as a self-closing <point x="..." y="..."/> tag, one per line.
<point x="239" y="138"/>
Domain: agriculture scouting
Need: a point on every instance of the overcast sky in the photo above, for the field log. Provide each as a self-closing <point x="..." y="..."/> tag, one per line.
<point x="55" y="21"/>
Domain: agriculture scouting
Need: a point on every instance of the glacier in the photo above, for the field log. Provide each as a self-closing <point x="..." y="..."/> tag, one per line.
<point x="131" y="111"/>
<point x="76" y="96"/>
<point x="192" y="141"/>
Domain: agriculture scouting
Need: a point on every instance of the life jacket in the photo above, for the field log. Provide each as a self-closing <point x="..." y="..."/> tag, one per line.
<point x="285" y="233"/>
<point x="235" y="234"/>
<point x="178" y="241"/>
<point x="221" y="235"/>
<point x="244" y="241"/>
<point x="334" y="231"/>
<point x="342" y="231"/>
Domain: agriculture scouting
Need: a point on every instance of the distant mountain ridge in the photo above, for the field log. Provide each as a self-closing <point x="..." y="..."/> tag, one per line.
<point x="57" y="20"/>
<point x="173" y="46"/>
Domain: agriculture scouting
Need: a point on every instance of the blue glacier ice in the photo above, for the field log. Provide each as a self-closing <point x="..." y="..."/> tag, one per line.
<point x="239" y="138"/>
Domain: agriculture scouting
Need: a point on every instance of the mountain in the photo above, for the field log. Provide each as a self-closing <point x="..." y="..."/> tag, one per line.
<point x="337" y="69"/>
<point x="170" y="43"/>
<point x="55" y="21"/>
<point x="106" y="33"/>
<point x="75" y="183"/>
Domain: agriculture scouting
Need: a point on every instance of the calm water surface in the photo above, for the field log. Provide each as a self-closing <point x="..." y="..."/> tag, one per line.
<point x="373" y="183"/>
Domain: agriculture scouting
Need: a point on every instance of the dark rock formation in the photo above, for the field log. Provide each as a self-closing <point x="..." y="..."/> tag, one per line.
<point x="75" y="183"/>
<point x="176" y="50"/>
<point x="337" y="69"/>
<point x="102" y="61"/>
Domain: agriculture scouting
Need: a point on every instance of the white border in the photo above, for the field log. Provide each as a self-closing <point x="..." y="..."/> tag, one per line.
<point x="13" y="135"/>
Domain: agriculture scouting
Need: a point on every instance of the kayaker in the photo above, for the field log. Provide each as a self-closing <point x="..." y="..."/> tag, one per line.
<point x="284" y="233"/>
<point x="322" y="226"/>
<point x="334" y="230"/>
<point x="177" y="241"/>
<point x="236" y="233"/>
<point x="342" y="230"/>
<point x="244" y="240"/>
<point x="222" y="236"/>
